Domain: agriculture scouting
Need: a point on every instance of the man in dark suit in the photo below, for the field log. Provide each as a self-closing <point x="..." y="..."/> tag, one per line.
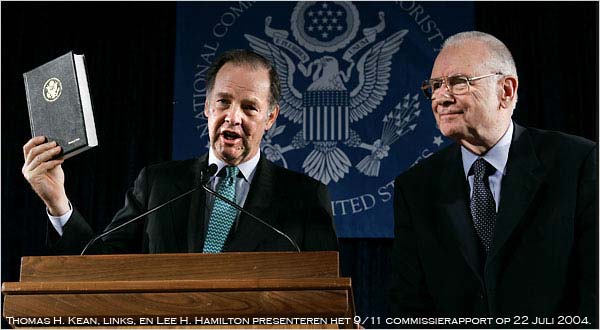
<point x="241" y="104"/>
<point x="503" y="223"/>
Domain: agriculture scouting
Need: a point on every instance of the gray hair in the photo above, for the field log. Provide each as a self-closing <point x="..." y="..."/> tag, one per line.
<point x="501" y="59"/>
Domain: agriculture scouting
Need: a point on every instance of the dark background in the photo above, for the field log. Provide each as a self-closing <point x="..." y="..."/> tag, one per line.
<point x="130" y="61"/>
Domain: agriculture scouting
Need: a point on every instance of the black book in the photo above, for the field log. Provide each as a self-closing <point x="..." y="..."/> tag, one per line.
<point x="60" y="107"/>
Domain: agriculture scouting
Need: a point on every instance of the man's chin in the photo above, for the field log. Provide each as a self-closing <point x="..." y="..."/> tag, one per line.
<point x="232" y="156"/>
<point x="451" y="132"/>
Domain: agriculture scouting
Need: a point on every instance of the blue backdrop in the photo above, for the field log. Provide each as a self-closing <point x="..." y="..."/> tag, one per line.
<point x="352" y="114"/>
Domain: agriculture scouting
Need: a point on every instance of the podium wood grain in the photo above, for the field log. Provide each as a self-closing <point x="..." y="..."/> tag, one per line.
<point x="189" y="266"/>
<point x="246" y="285"/>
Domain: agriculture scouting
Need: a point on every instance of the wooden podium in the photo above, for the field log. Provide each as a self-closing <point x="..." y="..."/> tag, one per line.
<point x="246" y="290"/>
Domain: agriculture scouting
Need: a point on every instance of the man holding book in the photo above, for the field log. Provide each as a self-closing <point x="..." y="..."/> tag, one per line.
<point x="241" y="105"/>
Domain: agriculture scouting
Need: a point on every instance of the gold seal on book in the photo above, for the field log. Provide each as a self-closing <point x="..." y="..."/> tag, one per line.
<point x="52" y="89"/>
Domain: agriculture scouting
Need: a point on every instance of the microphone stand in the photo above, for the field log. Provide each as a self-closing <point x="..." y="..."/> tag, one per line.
<point x="237" y="207"/>
<point x="210" y="170"/>
<point x="134" y="219"/>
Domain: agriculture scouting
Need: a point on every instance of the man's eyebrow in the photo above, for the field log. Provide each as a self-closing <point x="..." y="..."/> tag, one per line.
<point x="224" y="95"/>
<point x="254" y="101"/>
<point x="251" y="100"/>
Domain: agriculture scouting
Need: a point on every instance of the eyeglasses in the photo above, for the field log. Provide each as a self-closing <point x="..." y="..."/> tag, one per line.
<point x="457" y="85"/>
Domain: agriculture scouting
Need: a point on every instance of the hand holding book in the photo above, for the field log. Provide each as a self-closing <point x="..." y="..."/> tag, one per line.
<point x="62" y="125"/>
<point x="44" y="173"/>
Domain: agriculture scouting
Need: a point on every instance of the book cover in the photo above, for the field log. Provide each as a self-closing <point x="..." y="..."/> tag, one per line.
<point x="59" y="104"/>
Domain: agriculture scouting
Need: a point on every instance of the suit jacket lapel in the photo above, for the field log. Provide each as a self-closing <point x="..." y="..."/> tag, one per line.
<point x="524" y="174"/>
<point x="192" y="230"/>
<point x="260" y="203"/>
<point x="453" y="203"/>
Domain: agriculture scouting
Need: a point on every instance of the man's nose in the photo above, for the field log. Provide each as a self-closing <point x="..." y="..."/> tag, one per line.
<point x="443" y="90"/>
<point x="442" y="96"/>
<point x="234" y="115"/>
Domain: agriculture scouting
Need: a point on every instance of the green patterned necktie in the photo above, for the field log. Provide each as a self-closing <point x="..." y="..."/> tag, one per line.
<point x="223" y="214"/>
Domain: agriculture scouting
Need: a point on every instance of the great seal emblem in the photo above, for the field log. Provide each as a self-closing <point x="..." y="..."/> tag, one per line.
<point x="340" y="91"/>
<point x="52" y="89"/>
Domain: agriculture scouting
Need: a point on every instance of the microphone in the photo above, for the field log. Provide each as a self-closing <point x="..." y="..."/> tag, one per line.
<point x="237" y="207"/>
<point x="204" y="177"/>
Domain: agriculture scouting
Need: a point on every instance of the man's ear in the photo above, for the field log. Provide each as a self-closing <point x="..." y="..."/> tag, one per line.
<point x="206" y="108"/>
<point x="508" y="96"/>
<point x="272" y="116"/>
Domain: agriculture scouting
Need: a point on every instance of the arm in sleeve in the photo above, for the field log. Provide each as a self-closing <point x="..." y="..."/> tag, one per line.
<point x="77" y="232"/>
<point x="320" y="229"/>
<point x="409" y="295"/>
<point x="586" y="231"/>
<point x="58" y="222"/>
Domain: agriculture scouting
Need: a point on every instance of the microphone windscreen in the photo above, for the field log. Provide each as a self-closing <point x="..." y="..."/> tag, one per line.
<point x="211" y="170"/>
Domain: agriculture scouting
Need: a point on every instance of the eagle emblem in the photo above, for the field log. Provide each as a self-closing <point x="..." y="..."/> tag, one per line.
<point x="336" y="92"/>
<point x="52" y="89"/>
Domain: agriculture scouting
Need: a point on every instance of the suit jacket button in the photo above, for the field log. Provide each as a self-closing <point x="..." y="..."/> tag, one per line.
<point x="481" y="296"/>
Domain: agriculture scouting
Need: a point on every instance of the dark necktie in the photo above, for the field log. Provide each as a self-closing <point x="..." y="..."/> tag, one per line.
<point x="222" y="215"/>
<point x="483" y="206"/>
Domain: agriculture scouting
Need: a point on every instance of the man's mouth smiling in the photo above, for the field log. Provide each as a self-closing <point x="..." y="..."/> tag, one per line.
<point x="450" y="114"/>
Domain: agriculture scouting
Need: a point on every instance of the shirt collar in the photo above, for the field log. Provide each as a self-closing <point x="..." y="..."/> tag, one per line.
<point x="246" y="168"/>
<point x="497" y="156"/>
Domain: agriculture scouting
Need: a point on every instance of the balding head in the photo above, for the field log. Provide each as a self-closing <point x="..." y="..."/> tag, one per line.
<point x="499" y="60"/>
<point x="479" y="115"/>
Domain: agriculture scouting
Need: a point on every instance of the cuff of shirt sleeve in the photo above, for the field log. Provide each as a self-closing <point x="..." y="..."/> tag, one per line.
<point x="59" y="222"/>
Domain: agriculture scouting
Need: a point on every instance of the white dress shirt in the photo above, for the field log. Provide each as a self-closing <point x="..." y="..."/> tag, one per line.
<point x="497" y="157"/>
